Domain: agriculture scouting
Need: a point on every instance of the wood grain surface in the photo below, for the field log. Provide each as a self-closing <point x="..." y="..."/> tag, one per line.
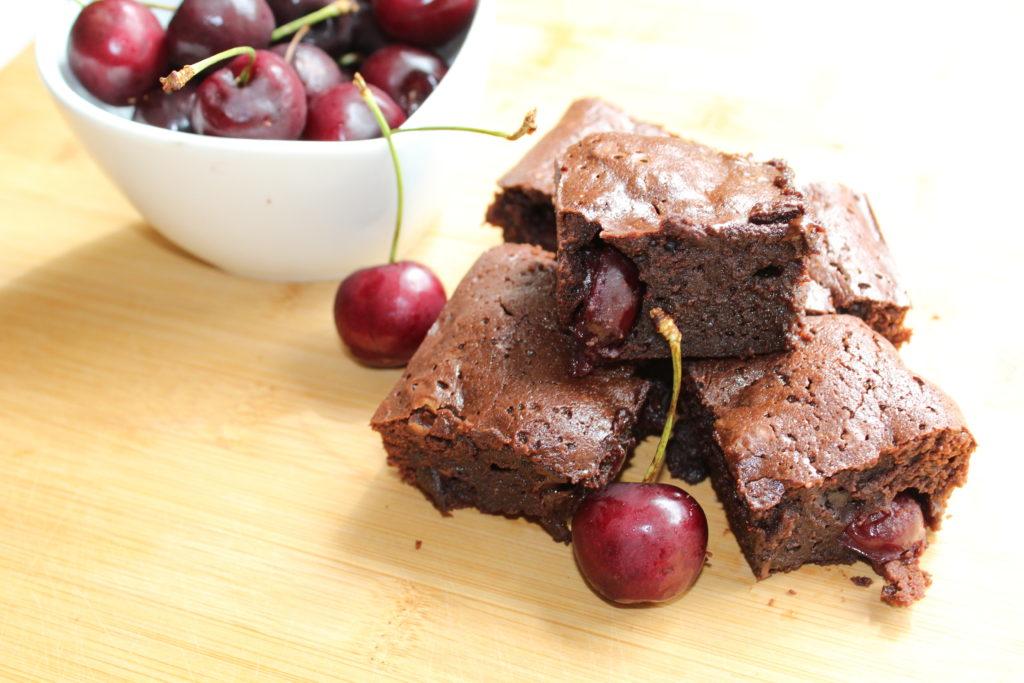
<point x="189" y="489"/>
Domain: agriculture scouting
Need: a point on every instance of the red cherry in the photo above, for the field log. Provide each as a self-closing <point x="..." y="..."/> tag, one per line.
<point x="117" y="50"/>
<point x="890" y="533"/>
<point x="427" y="23"/>
<point x="317" y="71"/>
<point x="408" y="74"/>
<point x="271" y="105"/>
<point x="170" y="110"/>
<point x="640" y="542"/>
<point x="202" y="28"/>
<point x="382" y="313"/>
<point x="333" y="35"/>
<point x="342" y="114"/>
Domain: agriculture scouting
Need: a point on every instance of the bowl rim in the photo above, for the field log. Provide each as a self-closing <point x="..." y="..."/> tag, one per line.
<point x="51" y="63"/>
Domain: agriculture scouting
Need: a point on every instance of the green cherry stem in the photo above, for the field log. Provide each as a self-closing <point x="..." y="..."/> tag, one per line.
<point x="371" y="102"/>
<point x="336" y="8"/>
<point x="667" y="329"/>
<point x="176" y="80"/>
<point x="528" y="127"/>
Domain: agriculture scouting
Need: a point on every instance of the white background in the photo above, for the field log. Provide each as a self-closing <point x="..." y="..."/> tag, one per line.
<point x="18" y="21"/>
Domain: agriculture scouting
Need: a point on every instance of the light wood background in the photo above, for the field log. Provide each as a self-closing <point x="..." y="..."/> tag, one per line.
<point x="189" y="488"/>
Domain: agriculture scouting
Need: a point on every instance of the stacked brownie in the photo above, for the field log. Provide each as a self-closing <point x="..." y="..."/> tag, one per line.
<point x="817" y="439"/>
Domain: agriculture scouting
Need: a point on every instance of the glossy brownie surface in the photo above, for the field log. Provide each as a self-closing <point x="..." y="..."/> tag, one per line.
<point x="799" y="444"/>
<point x="853" y="271"/>
<point x="717" y="240"/>
<point x="486" y="414"/>
<point x="523" y="206"/>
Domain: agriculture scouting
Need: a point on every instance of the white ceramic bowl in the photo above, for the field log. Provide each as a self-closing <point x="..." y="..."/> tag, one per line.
<point x="274" y="209"/>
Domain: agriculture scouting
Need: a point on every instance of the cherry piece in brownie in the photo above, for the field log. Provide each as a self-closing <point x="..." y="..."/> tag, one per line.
<point x="486" y="414"/>
<point x="523" y="207"/>
<point x="853" y="271"/>
<point x="715" y="240"/>
<point x="827" y="454"/>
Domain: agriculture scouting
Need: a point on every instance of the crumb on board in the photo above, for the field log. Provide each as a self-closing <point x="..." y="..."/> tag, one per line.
<point x="771" y="602"/>
<point x="791" y="591"/>
<point x="862" y="581"/>
<point x="419" y="544"/>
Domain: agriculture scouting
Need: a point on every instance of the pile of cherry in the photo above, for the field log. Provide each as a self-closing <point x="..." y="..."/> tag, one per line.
<point x="254" y="79"/>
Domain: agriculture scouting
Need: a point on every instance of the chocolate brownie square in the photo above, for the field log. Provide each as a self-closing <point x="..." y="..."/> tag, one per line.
<point x="486" y="414"/>
<point x="716" y="240"/>
<point x="802" y="445"/>
<point x="523" y="207"/>
<point x="853" y="271"/>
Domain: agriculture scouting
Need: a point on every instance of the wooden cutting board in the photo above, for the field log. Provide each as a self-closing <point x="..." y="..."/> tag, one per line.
<point x="189" y="488"/>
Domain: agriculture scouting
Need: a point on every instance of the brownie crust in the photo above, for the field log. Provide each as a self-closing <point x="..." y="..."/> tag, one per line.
<point x="486" y="414"/>
<point x="801" y="444"/>
<point x="717" y="239"/>
<point x="853" y="271"/>
<point x="523" y="207"/>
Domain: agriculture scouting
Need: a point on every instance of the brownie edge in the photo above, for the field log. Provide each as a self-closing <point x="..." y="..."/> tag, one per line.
<point x="486" y="414"/>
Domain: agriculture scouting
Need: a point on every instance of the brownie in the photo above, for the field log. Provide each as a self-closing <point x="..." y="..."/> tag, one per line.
<point x="801" y="444"/>
<point x="853" y="271"/>
<point x="717" y="240"/>
<point x="523" y="206"/>
<point x="486" y="414"/>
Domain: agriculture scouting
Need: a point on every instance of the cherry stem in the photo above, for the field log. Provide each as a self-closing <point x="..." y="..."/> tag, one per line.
<point x="289" y="53"/>
<point x="528" y="127"/>
<point x="336" y="8"/>
<point x="667" y="329"/>
<point x="176" y="80"/>
<point x="371" y="102"/>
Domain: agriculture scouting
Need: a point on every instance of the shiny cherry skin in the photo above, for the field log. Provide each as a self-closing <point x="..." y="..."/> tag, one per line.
<point x="613" y="300"/>
<point x="408" y="74"/>
<point x="317" y="71"/>
<point x="382" y="313"/>
<point x="117" y="50"/>
<point x="333" y="35"/>
<point x="170" y="110"/>
<point x="270" y="106"/>
<point x="894" y="532"/>
<point x="202" y="28"/>
<point x="341" y="114"/>
<point x="639" y="542"/>
<point x="427" y="23"/>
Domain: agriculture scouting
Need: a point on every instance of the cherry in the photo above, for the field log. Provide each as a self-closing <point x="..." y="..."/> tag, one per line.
<point x="643" y="542"/>
<point x="638" y="542"/>
<point x="201" y="28"/>
<point x="333" y="35"/>
<point x="609" y="308"/>
<point x="341" y="114"/>
<point x="117" y="50"/>
<point x="367" y="35"/>
<point x="170" y="110"/>
<point x="255" y="96"/>
<point x="317" y="71"/>
<point x="896" y="531"/>
<point x="382" y="313"/>
<point x="408" y="74"/>
<point x="427" y="23"/>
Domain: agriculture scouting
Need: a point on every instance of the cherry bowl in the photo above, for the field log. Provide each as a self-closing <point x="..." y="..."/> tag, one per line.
<point x="275" y="209"/>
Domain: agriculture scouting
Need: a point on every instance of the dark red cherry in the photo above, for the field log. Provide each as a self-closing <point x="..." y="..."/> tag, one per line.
<point x="407" y="73"/>
<point x="117" y="50"/>
<point x="382" y="313"/>
<point x="271" y="105"/>
<point x="640" y="542"/>
<point x="316" y="69"/>
<point x="333" y="35"/>
<point x="341" y="114"/>
<point x="367" y="35"/>
<point x="610" y="306"/>
<point x="427" y="23"/>
<point x="896" y="531"/>
<point x="202" y="28"/>
<point x="170" y="110"/>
